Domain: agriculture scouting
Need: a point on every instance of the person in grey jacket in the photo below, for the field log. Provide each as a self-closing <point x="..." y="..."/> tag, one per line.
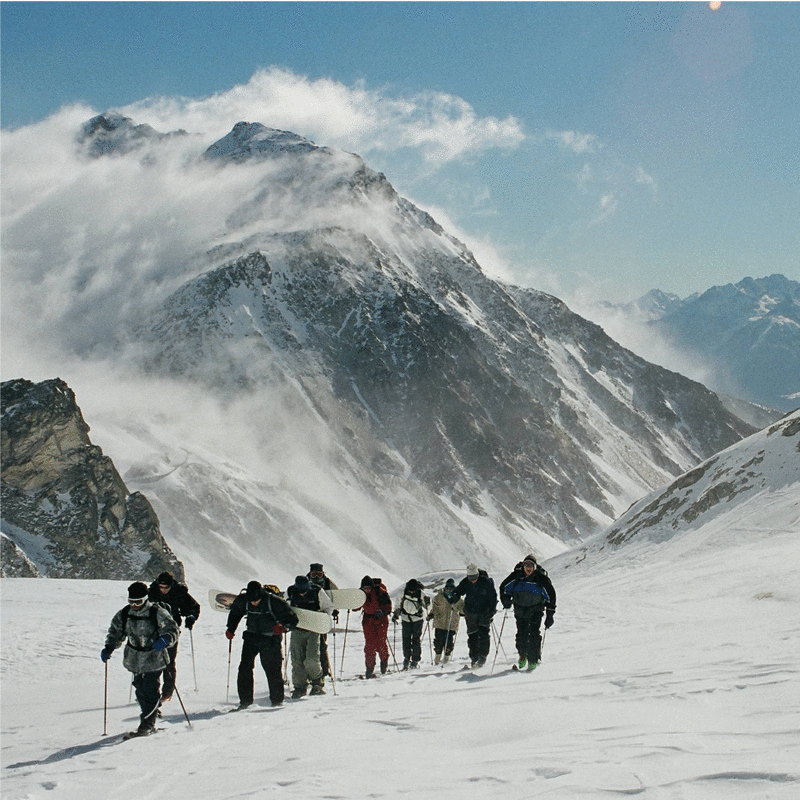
<point x="148" y="630"/>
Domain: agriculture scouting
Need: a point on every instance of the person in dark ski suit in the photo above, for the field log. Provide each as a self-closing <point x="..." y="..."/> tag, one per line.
<point x="316" y="575"/>
<point x="148" y="631"/>
<point x="184" y="608"/>
<point x="480" y="605"/>
<point x="268" y="618"/>
<point x="529" y="589"/>
<point x="412" y="611"/>
<point x="305" y="645"/>
<point x="446" y="611"/>
<point x="375" y="621"/>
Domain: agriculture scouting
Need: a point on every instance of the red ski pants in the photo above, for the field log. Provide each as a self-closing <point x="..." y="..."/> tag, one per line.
<point x="375" y="641"/>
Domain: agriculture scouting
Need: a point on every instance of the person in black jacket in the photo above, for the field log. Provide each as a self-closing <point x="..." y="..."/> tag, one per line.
<point x="184" y="608"/>
<point x="268" y="618"/>
<point x="480" y="605"/>
<point x="529" y="589"/>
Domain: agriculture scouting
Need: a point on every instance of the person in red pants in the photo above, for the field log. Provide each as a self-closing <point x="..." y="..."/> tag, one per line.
<point x="375" y="615"/>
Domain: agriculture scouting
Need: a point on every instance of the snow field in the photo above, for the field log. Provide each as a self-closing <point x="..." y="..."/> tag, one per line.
<point x="671" y="673"/>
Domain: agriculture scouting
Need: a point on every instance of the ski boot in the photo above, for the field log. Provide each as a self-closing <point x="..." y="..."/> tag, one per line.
<point x="384" y="667"/>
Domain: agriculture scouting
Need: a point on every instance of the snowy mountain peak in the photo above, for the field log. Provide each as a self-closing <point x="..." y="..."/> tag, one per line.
<point x="114" y="133"/>
<point x="254" y="140"/>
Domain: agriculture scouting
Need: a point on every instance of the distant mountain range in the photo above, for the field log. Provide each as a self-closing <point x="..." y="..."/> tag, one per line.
<point x="746" y="335"/>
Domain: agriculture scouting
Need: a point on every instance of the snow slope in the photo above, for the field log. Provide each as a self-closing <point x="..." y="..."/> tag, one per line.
<point x="672" y="672"/>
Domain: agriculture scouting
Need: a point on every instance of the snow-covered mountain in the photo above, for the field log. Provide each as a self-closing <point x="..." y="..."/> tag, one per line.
<point x="371" y="381"/>
<point x="383" y="332"/>
<point x="759" y="475"/>
<point x="744" y="337"/>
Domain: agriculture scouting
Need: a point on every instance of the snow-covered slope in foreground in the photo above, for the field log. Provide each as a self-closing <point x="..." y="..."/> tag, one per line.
<point x="672" y="672"/>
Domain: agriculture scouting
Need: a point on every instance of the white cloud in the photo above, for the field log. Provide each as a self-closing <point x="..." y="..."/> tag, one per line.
<point x="579" y="143"/>
<point x="441" y="127"/>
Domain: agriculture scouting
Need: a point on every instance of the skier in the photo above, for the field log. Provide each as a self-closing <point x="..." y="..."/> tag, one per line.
<point x="480" y="605"/>
<point x="268" y="618"/>
<point x="305" y="645"/>
<point x="148" y="631"/>
<point x="446" y="611"/>
<point x="529" y="589"/>
<point x="316" y="574"/>
<point x="411" y="611"/>
<point x="375" y="622"/>
<point x="184" y="608"/>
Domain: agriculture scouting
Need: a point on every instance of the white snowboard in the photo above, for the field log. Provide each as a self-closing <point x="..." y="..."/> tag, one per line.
<point x="347" y="598"/>
<point x="315" y="621"/>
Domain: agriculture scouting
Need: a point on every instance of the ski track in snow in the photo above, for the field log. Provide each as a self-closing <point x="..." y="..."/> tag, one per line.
<point x="672" y="673"/>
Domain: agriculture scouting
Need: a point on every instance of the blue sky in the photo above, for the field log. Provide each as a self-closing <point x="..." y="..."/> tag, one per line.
<point x="587" y="149"/>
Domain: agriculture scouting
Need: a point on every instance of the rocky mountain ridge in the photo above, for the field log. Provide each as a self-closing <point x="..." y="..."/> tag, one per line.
<point x="66" y="512"/>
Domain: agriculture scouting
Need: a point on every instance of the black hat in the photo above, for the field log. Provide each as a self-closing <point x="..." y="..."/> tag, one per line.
<point x="301" y="584"/>
<point x="315" y="568"/>
<point x="137" y="591"/>
<point x="165" y="579"/>
<point x="366" y="581"/>
<point x="254" y="590"/>
<point x="451" y="584"/>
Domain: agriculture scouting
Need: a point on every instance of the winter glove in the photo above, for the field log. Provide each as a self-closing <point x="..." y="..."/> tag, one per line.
<point x="548" y="619"/>
<point x="230" y="635"/>
<point x="429" y="617"/>
<point x="105" y="654"/>
<point x="335" y="614"/>
<point x="189" y="622"/>
<point x="160" y="644"/>
<point x="279" y="629"/>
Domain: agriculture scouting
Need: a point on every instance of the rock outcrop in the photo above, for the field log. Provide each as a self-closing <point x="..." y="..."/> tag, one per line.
<point x="66" y="512"/>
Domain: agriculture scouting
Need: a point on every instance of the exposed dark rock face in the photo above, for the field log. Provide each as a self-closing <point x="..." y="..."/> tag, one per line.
<point x="66" y="512"/>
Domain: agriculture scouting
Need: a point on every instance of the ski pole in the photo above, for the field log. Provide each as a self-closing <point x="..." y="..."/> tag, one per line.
<point x="105" y="704"/>
<point x="344" y="644"/>
<point x="391" y="650"/>
<point x="183" y="706"/>
<point x="430" y="641"/>
<point x="194" y="666"/>
<point x="333" y="669"/>
<point x="499" y="641"/>
<point x="447" y="637"/>
<point x="228" y="687"/>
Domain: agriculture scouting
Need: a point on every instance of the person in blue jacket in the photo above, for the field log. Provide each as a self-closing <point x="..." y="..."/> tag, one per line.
<point x="529" y="589"/>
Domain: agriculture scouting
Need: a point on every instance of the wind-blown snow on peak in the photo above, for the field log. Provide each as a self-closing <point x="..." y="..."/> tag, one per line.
<point x="253" y="140"/>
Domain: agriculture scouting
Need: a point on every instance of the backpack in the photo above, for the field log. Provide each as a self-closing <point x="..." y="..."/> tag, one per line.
<point x="153" y="616"/>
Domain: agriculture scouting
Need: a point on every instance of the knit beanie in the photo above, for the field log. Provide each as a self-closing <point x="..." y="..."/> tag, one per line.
<point x="137" y="591"/>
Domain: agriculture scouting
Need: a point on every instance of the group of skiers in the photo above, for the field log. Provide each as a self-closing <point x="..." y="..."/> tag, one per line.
<point x="150" y="623"/>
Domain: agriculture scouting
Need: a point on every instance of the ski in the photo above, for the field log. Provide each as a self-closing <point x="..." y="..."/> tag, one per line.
<point x="137" y="735"/>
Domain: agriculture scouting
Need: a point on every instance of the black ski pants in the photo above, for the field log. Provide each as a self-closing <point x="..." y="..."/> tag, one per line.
<point x="148" y="695"/>
<point x="529" y="633"/>
<point x="170" y="672"/>
<point x="479" y="641"/>
<point x="412" y="641"/>
<point x="268" y="649"/>
<point x="443" y="640"/>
